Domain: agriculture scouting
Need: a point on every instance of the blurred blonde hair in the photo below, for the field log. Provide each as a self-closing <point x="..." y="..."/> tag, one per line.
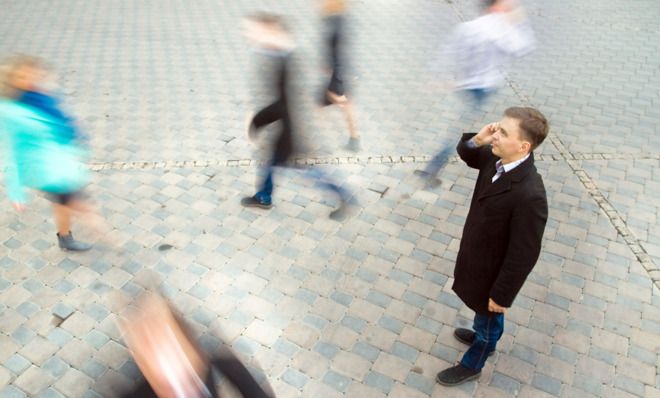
<point x="334" y="6"/>
<point x="9" y="67"/>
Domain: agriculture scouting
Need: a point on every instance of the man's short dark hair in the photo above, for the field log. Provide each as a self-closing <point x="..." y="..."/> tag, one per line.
<point x="533" y="125"/>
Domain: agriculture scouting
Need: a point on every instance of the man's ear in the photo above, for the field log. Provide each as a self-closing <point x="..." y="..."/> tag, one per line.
<point x="526" y="146"/>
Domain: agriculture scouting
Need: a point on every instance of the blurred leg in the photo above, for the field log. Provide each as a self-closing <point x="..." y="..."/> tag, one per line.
<point x="439" y="160"/>
<point x="85" y="211"/>
<point x="62" y="215"/>
<point x="349" y="112"/>
<point x="265" y="193"/>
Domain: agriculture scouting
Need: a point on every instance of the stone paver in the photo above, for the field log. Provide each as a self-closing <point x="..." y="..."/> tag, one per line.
<point x="358" y="308"/>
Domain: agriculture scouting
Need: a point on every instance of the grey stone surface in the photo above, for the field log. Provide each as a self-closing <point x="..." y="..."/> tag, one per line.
<point x="361" y="307"/>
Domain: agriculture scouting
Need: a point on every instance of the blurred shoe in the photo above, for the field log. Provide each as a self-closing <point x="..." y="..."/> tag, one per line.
<point x="353" y="144"/>
<point x="339" y="214"/>
<point x="430" y="181"/>
<point x="254" y="202"/>
<point x="66" y="242"/>
<point x="344" y="209"/>
<point x="456" y="375"/>
<point x="433" y="182"/>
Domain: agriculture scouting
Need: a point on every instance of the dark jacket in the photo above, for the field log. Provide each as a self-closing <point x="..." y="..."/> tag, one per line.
<point x="503" y="231"/>
<point x="285" y="145"/>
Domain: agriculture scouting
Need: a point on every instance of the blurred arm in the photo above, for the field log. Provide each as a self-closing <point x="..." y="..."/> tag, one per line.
<point x="15" y="189"/>
<point x="268" y="115"/>
<point x="232" y="368"/>
<point x="517" y="38"/>
<point x="445" y="62"/>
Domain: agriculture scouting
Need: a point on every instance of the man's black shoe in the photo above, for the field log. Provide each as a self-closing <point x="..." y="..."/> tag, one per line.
<point x="459" y="374"/>
<point x="466" y="336"/>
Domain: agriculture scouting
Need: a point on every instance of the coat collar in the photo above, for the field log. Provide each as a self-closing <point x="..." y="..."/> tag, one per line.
<point x="503" y="184"/>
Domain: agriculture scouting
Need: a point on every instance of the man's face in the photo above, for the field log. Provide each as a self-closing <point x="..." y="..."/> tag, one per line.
<point x="508" y="142"/>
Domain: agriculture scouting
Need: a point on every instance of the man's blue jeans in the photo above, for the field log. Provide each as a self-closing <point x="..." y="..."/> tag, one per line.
<point x="487" y="332"/>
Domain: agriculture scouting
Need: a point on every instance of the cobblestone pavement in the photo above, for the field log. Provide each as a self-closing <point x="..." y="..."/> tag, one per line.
<point x="326" y="309"/>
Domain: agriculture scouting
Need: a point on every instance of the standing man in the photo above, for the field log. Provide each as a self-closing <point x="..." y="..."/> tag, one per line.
<point x="502" y="235"/>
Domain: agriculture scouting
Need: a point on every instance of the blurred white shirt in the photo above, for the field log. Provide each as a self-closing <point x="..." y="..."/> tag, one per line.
<point x="478" y="50"/>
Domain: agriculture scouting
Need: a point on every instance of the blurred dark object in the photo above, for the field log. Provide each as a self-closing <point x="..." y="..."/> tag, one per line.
<point x="171" y="361"/>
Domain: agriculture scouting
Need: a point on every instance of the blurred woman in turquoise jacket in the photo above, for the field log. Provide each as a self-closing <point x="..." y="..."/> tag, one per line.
<point x="43" y="149"/>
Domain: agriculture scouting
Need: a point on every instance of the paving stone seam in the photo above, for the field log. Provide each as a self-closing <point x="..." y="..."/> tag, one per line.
<point x="367" y="159"/>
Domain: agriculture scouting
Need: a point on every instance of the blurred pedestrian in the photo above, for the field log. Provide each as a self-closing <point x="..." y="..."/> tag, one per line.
<point x="171" y="361"/>
<point x="503" y="231"/>
<point x="334" y="20"/>
<point x="268" y="34"/>
<point x="44" y="148"/>
<point x="475" y="58"/>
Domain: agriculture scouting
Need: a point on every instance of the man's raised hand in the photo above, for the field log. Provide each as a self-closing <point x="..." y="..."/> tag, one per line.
<point x="485" y="136"/>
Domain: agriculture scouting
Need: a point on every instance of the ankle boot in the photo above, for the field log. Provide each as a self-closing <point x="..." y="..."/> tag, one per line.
<point x="67" y="242"/>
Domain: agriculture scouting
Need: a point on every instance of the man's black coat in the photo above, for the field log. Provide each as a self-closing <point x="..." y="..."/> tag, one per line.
<point x="503" y="230"/>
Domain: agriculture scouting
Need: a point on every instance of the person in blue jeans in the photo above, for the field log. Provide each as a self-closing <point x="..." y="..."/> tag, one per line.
<point x="503" y="231"/>
<point x="269" y="35"/>
<point x="474" y="59"/>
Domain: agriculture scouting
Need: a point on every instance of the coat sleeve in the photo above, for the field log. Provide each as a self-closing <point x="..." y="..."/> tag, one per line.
<point x="525" y="236"/>
<point x="475" y="157"/>
<point x="15" y="189"/>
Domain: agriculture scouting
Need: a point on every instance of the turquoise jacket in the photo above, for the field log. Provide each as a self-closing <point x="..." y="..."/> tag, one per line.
<point x="36" y="155"/>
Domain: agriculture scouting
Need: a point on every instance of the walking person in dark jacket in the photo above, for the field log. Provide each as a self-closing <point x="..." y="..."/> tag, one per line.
<point x="269" y="35"/>
<point x="503" y="231"/>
